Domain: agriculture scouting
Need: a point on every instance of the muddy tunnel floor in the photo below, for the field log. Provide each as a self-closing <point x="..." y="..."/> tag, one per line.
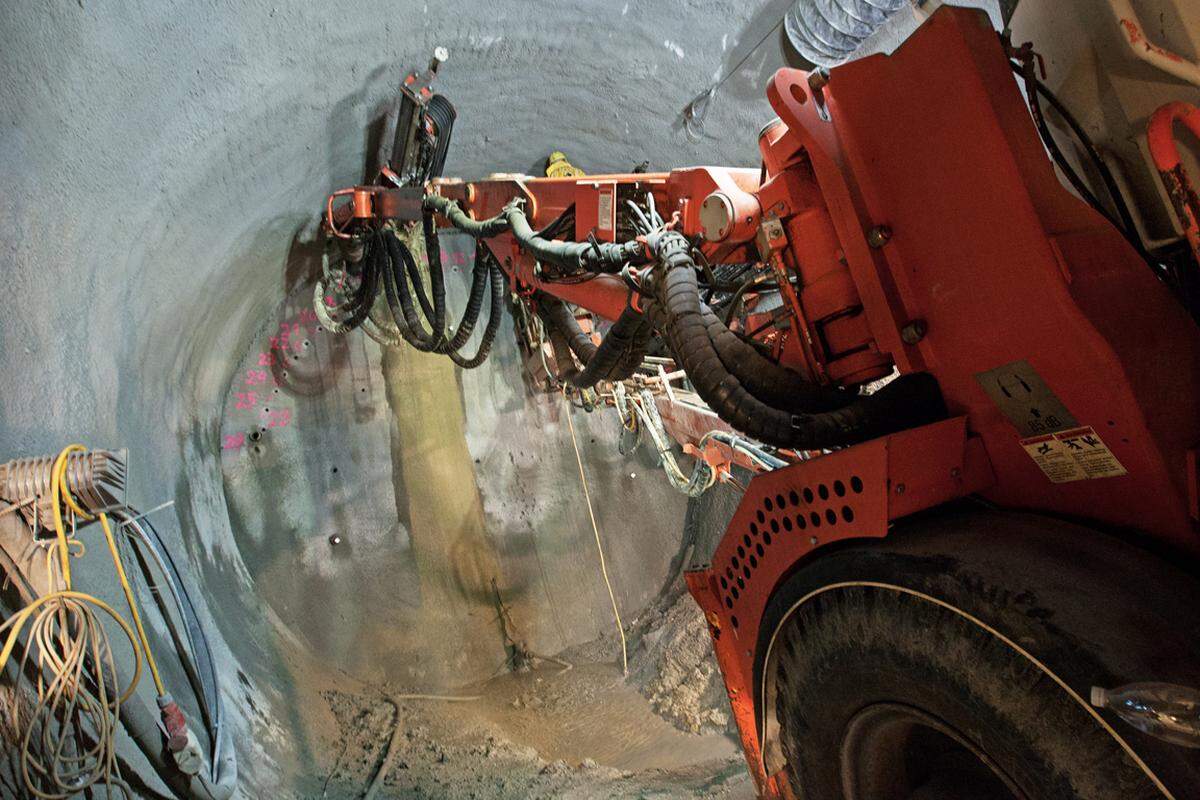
<point x="569" y="726"/>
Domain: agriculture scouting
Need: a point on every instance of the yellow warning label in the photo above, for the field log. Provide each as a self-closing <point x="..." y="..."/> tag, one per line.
<point x="1074" y="455"/>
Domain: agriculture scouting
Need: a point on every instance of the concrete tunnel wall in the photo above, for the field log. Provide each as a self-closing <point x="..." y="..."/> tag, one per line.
<point x="162" y="166"/>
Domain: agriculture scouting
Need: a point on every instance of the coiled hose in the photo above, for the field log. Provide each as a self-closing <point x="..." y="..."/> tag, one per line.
<point x="908" y="401"/>
<point x="827" y="32"/>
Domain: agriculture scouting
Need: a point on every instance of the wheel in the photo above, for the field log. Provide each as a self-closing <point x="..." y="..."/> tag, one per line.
<point x="932" y="667"/>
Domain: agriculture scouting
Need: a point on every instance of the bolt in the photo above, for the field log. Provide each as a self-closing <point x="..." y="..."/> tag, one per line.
<point x="812" y="540"/>
<point x="440" y="54"/>
<point x="335" y="540"/>
<point x="955" y="472"/>
<point x="878" y="236"/>
<point x="914" y="331"/>
<point x="899" y="488"/>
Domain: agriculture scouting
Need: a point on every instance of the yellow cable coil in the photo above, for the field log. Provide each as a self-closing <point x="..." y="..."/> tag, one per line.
<point x="73" y="646"/>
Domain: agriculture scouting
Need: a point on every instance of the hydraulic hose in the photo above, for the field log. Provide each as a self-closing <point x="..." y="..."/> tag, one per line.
<point x="557" y="315"/>
<point x="393" y="253"/>
<point x="575" y="256"/>
<point x="479" y="283"/>
<point x="357" y="308"/>
<point x="620" y="351"/>
<point x="908" y="401"/>
<point x="441" y="112"/>
<point x="772" y="383"/>
<point x="480" y="229"/>
<point x="484" y="255"/>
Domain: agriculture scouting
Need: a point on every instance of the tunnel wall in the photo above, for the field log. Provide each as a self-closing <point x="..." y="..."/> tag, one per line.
<point x="162" y="164"/>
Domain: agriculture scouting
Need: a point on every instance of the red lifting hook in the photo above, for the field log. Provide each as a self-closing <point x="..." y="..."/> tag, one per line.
<point x="1165" y="155"/>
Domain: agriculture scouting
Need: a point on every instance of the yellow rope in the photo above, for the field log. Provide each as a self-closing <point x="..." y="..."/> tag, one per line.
<point x="596" y="530"/>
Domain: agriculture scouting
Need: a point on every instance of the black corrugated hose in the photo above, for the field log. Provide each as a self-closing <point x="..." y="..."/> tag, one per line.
<point x="393" y="254"/>
<point x="753" y="394"/>
<point x="618" y="356"/>
<point x="484" y="256"/>
<point x="906" y="402"/>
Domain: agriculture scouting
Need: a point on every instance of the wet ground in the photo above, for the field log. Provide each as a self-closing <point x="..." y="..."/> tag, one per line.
<point x="548" y="733"/>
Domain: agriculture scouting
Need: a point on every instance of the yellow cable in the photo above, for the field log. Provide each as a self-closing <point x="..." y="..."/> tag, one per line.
<point x="133" y="611"/>
<point x="596" y="530"/>
<point x="60" y="490"/>
<point x="58" y="482"/>
<point x="18" y="620"/>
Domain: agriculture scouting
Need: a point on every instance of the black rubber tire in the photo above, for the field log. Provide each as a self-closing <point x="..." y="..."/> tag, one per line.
<point x="853" y="648"/>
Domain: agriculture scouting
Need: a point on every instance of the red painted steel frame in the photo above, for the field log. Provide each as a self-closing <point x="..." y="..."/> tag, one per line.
<point x="997" y="259"/>
<point x="1003" y="265"/>
<point x="680" y="191"/>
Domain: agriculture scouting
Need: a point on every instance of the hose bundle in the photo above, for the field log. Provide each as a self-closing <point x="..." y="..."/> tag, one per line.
<point x="573" y="256"/>
<point x="486" y="274"/>
<point x="831" y="417"/>
<point x="418" y="316"/>
<point x="747" y="390"/>
<point x="618" y="356"/>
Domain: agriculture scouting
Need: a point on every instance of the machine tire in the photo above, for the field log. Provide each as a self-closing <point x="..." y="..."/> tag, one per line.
<point x="893" y="679"/>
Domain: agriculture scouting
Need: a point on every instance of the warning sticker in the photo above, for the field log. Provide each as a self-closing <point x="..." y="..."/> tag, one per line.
<point x="1074" y="455"/>
<point x="604" y="214"/>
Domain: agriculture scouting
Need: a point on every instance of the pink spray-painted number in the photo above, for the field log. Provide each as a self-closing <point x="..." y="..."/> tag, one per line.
<point x="266" y="359"/>
<point x="246" y="400"/>
<point x="279" y="419"/>
<point x="255" y="377"/>
<point x="233" y="441"/>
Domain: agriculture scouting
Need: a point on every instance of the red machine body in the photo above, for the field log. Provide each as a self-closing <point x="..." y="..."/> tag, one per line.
<point x="912" y="200"/>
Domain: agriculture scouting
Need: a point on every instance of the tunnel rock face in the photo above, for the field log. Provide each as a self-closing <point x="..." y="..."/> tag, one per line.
<point x="360" y="517"/>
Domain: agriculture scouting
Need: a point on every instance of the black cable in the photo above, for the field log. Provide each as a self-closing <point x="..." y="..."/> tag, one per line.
<point x="1034" y="89"/>
<point x="202" y="651"/>
<point x="740" y="292"/>
<point x="555" y="228"/>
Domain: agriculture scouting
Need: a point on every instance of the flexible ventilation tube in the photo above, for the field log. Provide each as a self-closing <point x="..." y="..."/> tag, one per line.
<point x="827" y="32"/>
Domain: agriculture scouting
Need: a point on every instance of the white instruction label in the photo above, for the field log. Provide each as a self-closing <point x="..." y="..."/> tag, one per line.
<point x="604" y="216"/>
<point x="1074" y="455"/>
